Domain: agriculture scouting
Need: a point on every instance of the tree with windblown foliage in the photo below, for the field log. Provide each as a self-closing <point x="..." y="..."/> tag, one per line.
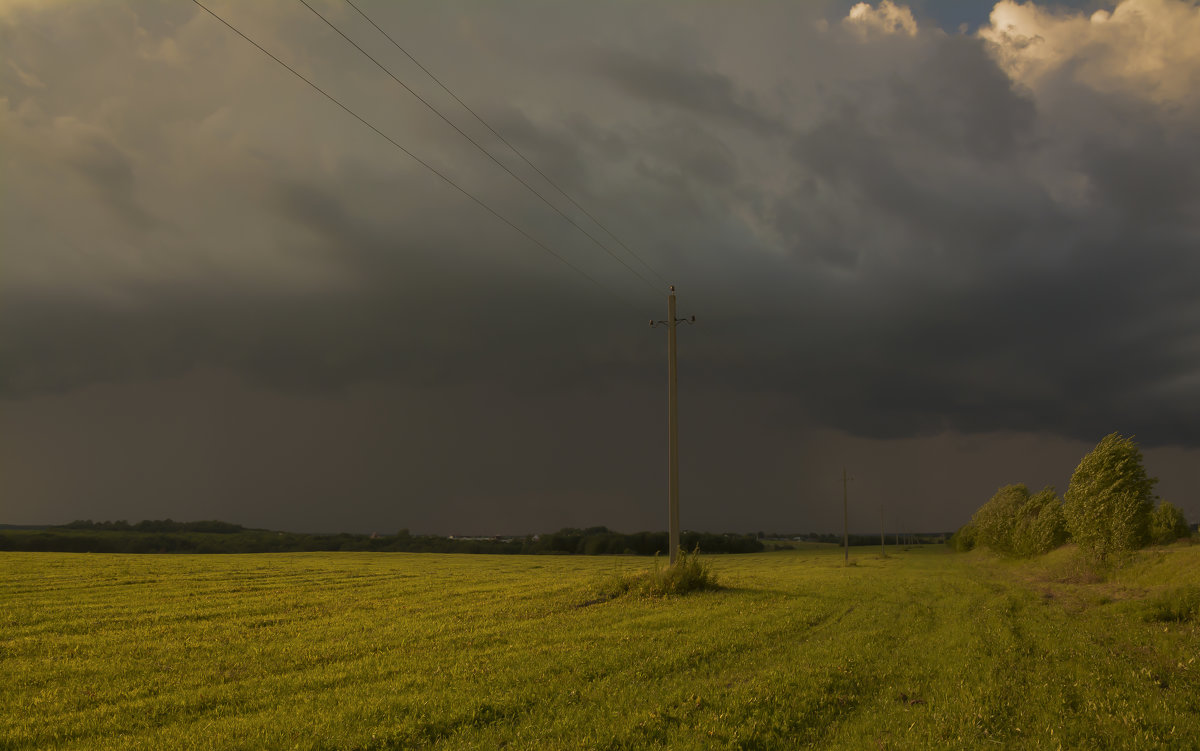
<point x="1168" y="524"/>
<point x="1043" y="525"/>
<point x="1016" y="523"/>
<point x="995" y="520"/>
<point x="1109" y="500"/>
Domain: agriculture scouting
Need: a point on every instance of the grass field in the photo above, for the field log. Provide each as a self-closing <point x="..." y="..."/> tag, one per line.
<point x="924" y="649"/>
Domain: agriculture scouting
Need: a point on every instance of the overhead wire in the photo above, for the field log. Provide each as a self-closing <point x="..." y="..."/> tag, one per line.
<point x="445" y="178"/>
<point x="478" y="146"/>
<point x="506" y="142"/>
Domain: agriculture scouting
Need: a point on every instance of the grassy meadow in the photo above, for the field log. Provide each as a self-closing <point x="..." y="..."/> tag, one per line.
<point x="923" y="649"/>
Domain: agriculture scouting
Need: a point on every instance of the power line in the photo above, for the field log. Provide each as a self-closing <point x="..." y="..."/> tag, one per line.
<point x="477" y="145"/>
<point x="411" y="155"/>
<point x="505" y="141"/>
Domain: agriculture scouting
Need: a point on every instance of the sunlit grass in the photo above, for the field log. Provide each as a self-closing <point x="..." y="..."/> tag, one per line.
<point x="357" y="650"/>
<point x="691" y="573"/>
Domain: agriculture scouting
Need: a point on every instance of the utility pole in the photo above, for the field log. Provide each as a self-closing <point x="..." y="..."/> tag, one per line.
<point x="882" y="542"/>
<point x="845" y="517"/>
<point x="672" y="424"/>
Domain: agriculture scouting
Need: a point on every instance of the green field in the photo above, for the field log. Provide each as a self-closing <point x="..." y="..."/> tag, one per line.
<point x="924" y="649"/>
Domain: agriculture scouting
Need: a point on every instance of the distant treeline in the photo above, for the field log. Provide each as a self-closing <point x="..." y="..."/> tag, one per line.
<point x="922" y="538"/>
<point x="168" y="536"/>
<point x="160" y="525"/>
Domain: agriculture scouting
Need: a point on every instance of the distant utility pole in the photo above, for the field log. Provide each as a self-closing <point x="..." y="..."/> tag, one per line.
<point x="882" y="543"/>
<point x="672" y="423"/>
<point x="845" y="517"/>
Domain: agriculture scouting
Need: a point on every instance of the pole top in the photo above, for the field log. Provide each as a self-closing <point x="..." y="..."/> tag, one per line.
<point x="672" y="287"/>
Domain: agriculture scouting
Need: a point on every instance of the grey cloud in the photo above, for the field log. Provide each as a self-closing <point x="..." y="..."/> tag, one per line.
<point x="700" y="92"/>
<point x="556" y="151"/>
<point x="111" y="173"/>
<point x="317" y="209"/>
<point x="1153" y="180"/>
<point x="960" y="98"/>
<point x="928" y="150"/>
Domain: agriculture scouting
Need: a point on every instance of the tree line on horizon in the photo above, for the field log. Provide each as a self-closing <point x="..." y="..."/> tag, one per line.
<point x="1108" y="511"/>
<point x="167" y="536"/>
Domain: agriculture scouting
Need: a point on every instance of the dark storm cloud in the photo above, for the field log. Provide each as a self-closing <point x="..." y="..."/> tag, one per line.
<point x="931" y="244"/>
<point x="926" y="151"/>
<point x="976" y="300"/>
<point x="1147" y="182"/>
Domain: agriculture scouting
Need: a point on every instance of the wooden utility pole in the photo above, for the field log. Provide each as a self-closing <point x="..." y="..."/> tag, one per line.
<point x="883" y="545"/>
<point x="672" y="425"/>
<point x="672" y="429"/>
<point x="845" y="517"/>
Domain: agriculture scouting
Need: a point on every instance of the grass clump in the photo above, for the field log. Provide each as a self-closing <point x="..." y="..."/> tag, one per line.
<point x="1180" y="604"/>
<point x="688" y="574"/>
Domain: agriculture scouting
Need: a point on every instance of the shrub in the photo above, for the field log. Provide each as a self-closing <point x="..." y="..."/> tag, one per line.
<point x="1167" y="524"/>
<point x="964" y="539"/>
<point x="1108" y="501"/>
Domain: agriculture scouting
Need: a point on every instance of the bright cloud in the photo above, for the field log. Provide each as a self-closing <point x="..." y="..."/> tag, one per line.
<point x="888" y="18"/>
<point x="1146" y="47"/>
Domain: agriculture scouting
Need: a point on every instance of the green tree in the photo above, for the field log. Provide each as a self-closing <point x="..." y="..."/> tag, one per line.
<point x="1168" y="524"/>
<point x="1041" y="524"/>
<point x="1108" y="502"/>
<point x="995" y="521"/>
<point x="1016" y="523"/>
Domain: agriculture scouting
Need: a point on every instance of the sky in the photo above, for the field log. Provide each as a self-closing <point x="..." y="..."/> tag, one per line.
<point x="948" y="246"/>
